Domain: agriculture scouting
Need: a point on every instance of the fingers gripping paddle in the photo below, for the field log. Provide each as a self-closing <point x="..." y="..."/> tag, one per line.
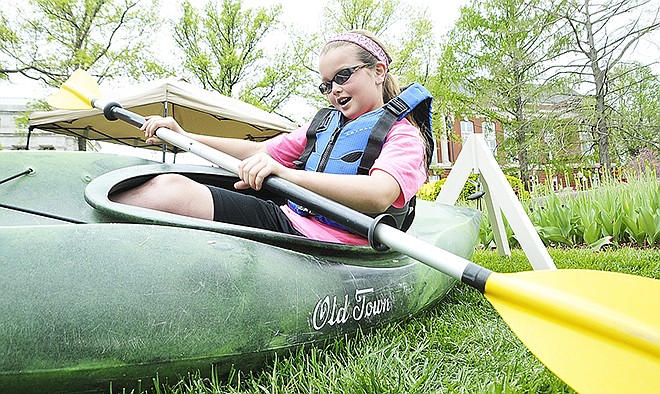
<point x="598" y="331"/>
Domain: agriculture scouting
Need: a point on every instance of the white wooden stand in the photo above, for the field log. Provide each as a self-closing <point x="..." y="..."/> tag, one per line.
<point x="476" y="157"/>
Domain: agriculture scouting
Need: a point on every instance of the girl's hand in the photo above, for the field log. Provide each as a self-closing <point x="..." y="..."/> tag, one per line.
<point x="255" y="169"/>
<point x="154" y="122"/>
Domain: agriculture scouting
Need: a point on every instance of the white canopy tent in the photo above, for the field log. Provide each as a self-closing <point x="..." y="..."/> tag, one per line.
<point x="195" y="109"/>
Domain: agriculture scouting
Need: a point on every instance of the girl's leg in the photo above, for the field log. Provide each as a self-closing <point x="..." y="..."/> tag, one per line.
<point x="172" y="193"/>
<point x="245" y="210"/>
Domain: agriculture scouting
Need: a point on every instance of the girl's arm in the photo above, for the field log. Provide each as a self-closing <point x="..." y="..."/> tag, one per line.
<point x="238" y="148"/>
<point x="396" y="176"/>
<point x="368" y="193"/>
<point x="373" y="193"/>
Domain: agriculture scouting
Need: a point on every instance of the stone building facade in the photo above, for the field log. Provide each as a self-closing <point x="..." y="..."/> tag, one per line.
<point x="13" y="137"/>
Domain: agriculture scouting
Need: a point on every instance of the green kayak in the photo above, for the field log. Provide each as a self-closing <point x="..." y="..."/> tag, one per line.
<point x="96" y="294"/>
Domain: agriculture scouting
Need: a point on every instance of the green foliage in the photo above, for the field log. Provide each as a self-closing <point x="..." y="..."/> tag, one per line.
<point x="224" y="47"/>
<point x="49" y="39"/>
<point x="373" y="15"/>
<point x="281" y="77"/>
<point x="221" y="45"/>
<point x="430" y="190"/>
<point x="614" y="214"/>
<point x="617" y="214"/>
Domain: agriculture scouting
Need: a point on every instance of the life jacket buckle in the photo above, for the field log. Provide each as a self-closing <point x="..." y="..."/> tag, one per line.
<point x="397" y="106"/>
<point x="299" y="209"/>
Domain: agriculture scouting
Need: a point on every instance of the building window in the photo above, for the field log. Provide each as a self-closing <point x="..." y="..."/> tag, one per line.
<point x="467" y="129"/>
<point x="488" y="128"/>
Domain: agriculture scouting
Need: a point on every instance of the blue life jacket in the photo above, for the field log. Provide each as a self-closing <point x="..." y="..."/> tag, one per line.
<point x="340" y="147"/>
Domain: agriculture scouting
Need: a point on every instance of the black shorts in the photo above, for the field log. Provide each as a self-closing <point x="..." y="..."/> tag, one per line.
<point x="245" y="210"/>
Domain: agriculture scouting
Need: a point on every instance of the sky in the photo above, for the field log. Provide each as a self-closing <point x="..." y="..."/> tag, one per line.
<point x="300" y="15"/>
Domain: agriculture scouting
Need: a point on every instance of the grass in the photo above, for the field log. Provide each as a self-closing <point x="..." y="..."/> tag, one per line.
<point x="460" y="346"/>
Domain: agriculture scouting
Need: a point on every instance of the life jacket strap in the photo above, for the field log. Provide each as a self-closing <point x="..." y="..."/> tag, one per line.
<point x="319" y="123"/>
<point x="378" y="134"/>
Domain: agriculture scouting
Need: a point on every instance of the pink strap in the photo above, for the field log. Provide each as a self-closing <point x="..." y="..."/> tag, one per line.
<point x="365" y="43"/>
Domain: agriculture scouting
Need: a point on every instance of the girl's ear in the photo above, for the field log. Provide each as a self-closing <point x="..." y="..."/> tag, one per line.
<point x="380" y="71"/>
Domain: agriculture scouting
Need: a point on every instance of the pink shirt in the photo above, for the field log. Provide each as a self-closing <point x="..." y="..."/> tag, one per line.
<point x="402" y="157"/>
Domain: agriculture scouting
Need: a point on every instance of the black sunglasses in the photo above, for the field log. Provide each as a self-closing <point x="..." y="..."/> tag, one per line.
<point x="340" y="78"/>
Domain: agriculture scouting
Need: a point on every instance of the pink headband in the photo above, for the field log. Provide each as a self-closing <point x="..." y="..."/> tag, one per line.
<point x="365" y="43"/>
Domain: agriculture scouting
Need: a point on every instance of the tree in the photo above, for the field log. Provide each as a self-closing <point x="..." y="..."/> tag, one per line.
<point x="224" y="49"/>
<point x="220" y="46"/>
<point x="412" y="50"/>
<point x="495" y="63"/>
<point x="46" y="40"/>
<point x="375" y="16"/>
<point x="604" y="33"/>
<point x="635" y="118"/>
<point x="285" y="75"/>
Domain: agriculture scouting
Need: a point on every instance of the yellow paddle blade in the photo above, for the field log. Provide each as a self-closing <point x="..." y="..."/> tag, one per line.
<point x="598" y="331"/>
<point x="77" y="92"/>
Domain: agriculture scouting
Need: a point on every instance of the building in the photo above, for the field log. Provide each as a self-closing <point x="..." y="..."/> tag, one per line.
<point x="13" y="137"/>
<point x="463" y="128"/>
<point x="450" y="144"/>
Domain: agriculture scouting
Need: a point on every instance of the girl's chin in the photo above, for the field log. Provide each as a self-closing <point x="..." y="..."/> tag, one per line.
<point x="349" y="113"/>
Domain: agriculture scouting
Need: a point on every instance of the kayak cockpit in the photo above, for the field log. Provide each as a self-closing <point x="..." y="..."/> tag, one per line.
<point x="51" y="194"/>
<point x="99" y="194"/>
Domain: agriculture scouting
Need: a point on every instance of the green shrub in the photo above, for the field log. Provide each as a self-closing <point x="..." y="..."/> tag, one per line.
<point x="518" y="187"/>
<point x="614" y="213"/>
<point x="429" y="191"/>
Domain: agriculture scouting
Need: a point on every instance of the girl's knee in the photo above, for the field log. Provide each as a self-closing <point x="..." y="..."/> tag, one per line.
<point x="153" y="190"/>
<point x="167" y="182"/>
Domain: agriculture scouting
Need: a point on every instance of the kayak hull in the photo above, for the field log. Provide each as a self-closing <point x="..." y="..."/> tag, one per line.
<point x="109" y="302"/>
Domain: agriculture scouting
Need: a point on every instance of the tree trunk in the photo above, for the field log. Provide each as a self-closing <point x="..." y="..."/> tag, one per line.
<point x="603" y="134"/>
<point x="600" y="129"/>
<point x="521" y="138"/>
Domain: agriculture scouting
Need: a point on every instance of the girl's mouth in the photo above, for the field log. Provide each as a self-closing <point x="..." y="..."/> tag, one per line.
<point x="343" y="101"/>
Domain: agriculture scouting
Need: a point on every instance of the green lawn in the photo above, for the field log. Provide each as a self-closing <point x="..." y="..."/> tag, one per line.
<point x="460" y="346"/>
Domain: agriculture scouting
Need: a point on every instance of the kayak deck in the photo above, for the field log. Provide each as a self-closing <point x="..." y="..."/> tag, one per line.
<point x="90" y="304"/>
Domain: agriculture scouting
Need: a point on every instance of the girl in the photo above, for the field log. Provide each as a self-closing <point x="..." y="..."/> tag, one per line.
<point x="354" y="69"/>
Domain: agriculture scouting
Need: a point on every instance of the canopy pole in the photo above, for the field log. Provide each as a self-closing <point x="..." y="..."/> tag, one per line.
<point x="164" y="146"/>
<point x="27" y="142"/>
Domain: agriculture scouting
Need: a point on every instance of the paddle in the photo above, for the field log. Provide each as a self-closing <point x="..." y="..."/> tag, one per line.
<point x="598" y="331"/>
